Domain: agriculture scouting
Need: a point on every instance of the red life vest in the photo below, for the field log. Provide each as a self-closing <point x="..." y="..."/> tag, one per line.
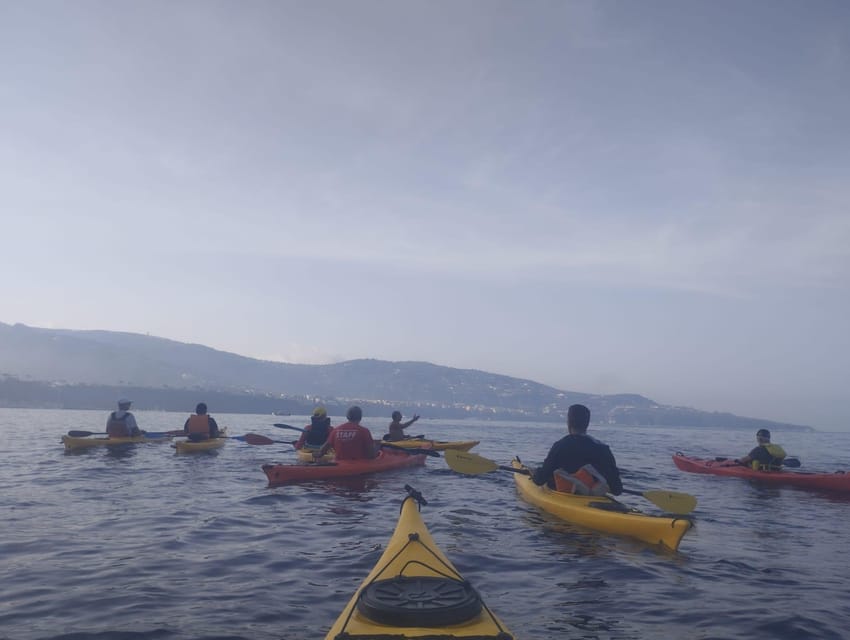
<point x="199" y="424"/>
<point x="587" y="481"/>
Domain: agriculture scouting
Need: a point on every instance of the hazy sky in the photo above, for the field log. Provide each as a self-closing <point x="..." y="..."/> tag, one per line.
<point x="644" y="197"/>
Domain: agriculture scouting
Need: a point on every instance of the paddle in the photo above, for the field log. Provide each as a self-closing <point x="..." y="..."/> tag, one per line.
<point x="472" y="464"/>
<point x="286" y="426"/>
<point x="255" y="438"/>
<point x="791" y="463"/>
<point x="75" y="433"/>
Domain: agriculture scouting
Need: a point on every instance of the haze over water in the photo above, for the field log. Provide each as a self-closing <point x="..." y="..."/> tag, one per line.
<point x="146" y="544"/>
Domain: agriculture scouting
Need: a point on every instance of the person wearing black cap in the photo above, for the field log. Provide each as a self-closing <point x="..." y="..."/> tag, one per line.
<point x="766" y="456"/>
<point x="579" y="463"/>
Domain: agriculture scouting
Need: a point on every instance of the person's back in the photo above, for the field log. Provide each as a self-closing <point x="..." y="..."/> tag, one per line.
<point x="576" y="450"/>
<point x="350" y="440"/>
<point x="122" y="423"/>
<point x="316" y="433"/>
<point x="396" y="429"/>
<point x="200" y="425"/>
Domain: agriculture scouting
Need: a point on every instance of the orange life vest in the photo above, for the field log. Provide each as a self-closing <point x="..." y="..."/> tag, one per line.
<point x="199" y="425"/>
<point x="587" y="481"/>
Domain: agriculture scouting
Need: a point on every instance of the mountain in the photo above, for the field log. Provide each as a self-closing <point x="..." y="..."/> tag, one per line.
<point x="90" y="369"/>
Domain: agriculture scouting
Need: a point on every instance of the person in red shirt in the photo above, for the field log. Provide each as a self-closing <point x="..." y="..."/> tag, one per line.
<point x="349" y="440"/>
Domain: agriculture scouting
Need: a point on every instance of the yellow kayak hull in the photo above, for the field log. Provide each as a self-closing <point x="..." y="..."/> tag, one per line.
<point x="601" y="513"/>
<point x="306" y="455"/>
<point x="188" y="446"/>
<point x="412" y="553"/>
<point x="439" y="445"/>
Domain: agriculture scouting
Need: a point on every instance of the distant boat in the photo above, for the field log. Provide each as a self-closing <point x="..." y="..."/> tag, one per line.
<point x="281" y="413"/>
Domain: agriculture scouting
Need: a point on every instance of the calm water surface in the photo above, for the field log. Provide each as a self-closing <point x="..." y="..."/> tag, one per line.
<point x="142" y="543"/>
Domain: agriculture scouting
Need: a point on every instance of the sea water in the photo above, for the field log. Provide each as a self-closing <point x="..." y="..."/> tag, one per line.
<point x="138" y="542"/>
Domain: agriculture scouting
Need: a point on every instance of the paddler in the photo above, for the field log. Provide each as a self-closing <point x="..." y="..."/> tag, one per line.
<point x="200" y="425"/>
<point x="350" y="440"/>
<point x="316" y="433"/>
<point x="122" y="423"/>
<point x="578" y="463"/>
<point x="764" y="457"/>
<point x="397" y="427"/>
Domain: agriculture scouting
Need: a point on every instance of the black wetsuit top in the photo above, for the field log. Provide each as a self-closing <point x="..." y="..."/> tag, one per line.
<point x="317" y="434"/>
<point x="763" y="456"/>
<point x="572" y="452"/>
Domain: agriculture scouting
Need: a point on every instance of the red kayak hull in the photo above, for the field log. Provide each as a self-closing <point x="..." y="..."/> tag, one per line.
<point x="387" y="460"/>
<point x="838" y="481"/>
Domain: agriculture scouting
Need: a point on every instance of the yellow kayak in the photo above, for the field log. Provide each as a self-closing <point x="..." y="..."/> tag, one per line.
<point x="602" y="513"/>
<point x="415" y="592"/>
<point x="439" y="445"/>
<point x="72" y="442"/>
<point x="306" y="455"/>
<point x="189" y="446"/>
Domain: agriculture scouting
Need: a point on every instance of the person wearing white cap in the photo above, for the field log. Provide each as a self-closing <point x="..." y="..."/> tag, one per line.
<point x="122" y="423"/>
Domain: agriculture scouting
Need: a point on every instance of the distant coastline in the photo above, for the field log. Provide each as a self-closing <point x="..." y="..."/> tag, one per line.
<point x="36" y="394"/>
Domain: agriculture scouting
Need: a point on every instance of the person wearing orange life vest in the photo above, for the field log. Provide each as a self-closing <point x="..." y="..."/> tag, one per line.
<point x="578" y="463"/>
<point x="122" y="423"/>
<point x="200" y="426"/>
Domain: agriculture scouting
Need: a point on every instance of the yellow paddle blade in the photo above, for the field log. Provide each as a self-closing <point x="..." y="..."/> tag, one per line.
<point x="671" y="501"/>
<point x="468" y="463"/>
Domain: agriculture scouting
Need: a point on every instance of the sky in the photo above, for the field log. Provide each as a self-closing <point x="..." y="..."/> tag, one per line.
<point x="606" y="197"/>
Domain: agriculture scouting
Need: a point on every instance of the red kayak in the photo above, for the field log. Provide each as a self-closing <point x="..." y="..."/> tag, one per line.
<point x="386" y="460"/>
<point x="838" y="481"/>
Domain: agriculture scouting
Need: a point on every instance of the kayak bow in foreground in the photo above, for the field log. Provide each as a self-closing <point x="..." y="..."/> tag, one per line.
<point x="414" y="591"/>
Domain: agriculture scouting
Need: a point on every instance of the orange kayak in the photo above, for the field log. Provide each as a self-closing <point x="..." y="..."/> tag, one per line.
<point x="838" y="481"/>
<point x="387" y="460"/>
